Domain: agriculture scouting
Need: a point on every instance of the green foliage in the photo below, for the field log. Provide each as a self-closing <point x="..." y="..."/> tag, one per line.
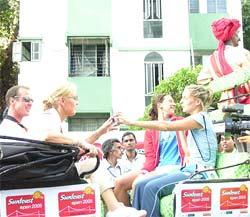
<point x="175" y="84"/>
<point x="9" y="10"/>
<point x="246" y="23"/>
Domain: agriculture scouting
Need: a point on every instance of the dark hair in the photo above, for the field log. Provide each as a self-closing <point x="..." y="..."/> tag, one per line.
<point x="127" y="134"/>
<point x="219" y="138"/>
<point x="107" y="146"/>
<point x="153" y="112"/>
<point x="12" y="92"/>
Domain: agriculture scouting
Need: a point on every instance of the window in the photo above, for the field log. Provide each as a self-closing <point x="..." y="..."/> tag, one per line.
<point x="87" y="122"/>
<point x="152" y="19"/>
<point x="27" y="50"/>
<point x="89" y="57"/>
<point x="193" y="6"/>
<point x="153" y="74"/>
<point x="216" y="6"/>
<point x="197" y="60"/>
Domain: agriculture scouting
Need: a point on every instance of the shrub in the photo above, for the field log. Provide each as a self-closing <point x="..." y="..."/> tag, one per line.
<point x="175" y="85"/>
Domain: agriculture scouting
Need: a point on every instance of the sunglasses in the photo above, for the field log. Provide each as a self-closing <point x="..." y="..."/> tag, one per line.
<point x="24" y="98"/>
<point x="73" y="97"/>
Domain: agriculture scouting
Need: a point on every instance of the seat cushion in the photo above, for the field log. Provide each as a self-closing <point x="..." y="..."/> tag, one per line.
<point x="227" y="159"/>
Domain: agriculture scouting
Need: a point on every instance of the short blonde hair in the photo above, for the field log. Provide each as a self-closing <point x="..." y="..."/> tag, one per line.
<point x="202" y="93"/>
<point x="66" y="90"/>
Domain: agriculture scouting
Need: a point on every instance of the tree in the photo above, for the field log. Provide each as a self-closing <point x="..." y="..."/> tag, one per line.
<point x="246" y="23"/>
<point x="175" y="85"/>
<point x="9" y="12"/>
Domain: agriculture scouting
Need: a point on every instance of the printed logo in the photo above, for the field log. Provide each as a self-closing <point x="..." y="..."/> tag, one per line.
<point x="76" y="203"/>
<point x="196" y="200"/>
<point x="26" y="205"/>
<point x="234" y="198"/>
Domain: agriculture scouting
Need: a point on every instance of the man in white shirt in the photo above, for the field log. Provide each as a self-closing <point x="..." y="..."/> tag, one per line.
<point x="19" y="103"/>
<point x="111" y="166"/>
<point x="131" y="156"/>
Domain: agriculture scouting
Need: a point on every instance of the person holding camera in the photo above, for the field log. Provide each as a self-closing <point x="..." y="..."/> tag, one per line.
<point x="245" y="139"/>
<point x="226" y="144"/>
<point x="201" y="141"/>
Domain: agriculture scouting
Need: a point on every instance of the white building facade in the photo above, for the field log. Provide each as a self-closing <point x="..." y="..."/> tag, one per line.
<point x="115" y="51"/>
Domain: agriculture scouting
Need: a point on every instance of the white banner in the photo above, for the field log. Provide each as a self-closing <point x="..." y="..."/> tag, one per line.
<point x="72" y="200"/>
<point x="224" y="199"/>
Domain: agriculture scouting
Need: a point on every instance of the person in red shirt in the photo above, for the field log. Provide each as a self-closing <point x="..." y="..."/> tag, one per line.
<point x="163" y="107"/>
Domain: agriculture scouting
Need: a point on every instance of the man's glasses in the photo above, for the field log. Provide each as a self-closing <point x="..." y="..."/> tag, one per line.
<point x="24" y="98"/>
<point x="128" y="140"/>
<point x="118" y="148"/>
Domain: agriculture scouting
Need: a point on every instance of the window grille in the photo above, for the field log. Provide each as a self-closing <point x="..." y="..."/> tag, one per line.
<point x="197" y="60"/>
<point x="193" y="6"/>
<point x="153" y="64"/>
<point x="30" y="50"/>
<point x="152" y="19"/>
<point x="89" y="57"/>
<point x="87" y="121"/>
<point x="216" y="6"/>
<point x="85" y="124"/>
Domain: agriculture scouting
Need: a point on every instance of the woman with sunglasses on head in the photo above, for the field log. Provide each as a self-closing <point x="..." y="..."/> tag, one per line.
<point x="201" y="141"/>
<point x="58" y="106"/>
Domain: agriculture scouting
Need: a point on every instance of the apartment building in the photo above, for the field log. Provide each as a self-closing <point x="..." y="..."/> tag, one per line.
<point x="115" y="51"/>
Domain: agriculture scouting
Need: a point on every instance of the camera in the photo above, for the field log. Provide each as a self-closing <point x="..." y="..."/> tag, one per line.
<point x="235" y="121"/>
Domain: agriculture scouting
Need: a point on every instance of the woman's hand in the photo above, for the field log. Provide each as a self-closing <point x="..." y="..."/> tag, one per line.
<point x="121" y="119"/>
<point x="108" y="125"/>
<point x="93" y="151"/>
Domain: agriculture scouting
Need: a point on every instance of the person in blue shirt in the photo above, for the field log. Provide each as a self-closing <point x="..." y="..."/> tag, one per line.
<point x="201" y="141"/>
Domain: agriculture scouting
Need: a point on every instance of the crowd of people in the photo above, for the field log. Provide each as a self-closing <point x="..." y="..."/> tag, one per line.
<point x="132" y="183"/>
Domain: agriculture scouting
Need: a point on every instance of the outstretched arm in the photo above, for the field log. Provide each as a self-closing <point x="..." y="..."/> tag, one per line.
<point x="106" y="127"/>
<point x="184" y="124"/>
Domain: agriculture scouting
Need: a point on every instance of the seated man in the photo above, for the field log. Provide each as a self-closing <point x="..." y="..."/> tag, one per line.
<point x="226" y="144"/>
<point x="19" y="103"/>
<point x="131" y="157"/>
<point x="110" y="168"/>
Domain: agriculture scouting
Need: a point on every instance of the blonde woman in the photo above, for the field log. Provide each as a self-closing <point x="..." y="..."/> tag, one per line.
<point x="58" y="106"/>
<point x="201" y="142"/>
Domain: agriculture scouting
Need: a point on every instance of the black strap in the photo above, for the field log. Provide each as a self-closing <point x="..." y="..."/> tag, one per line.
<point x="247" y="162"/>
<point x="198" y="147"/>
<point x="14" y="120"/>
